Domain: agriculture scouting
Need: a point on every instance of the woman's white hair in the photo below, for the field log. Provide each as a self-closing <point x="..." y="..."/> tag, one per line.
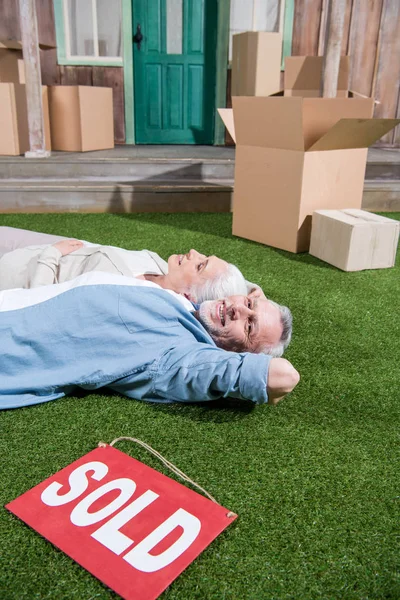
<point x="228" y="283"/>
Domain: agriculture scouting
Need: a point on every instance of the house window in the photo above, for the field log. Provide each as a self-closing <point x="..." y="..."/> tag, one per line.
<point x="174" y="26"/>
<point x="262" y="15"/>
<point x="89" y="32"/>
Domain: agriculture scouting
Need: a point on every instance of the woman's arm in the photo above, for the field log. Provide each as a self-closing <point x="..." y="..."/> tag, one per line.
<point x="43" y="269"/>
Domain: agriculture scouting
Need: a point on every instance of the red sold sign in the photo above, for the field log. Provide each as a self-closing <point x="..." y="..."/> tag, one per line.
<point x="130" y="526"/>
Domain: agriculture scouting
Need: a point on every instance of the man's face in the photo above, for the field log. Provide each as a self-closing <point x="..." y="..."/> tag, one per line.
<point x="193" y="268"/>
<point x="242" y="323"/>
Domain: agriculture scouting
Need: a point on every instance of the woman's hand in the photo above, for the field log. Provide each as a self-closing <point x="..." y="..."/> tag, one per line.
<point x="68" y="246"/>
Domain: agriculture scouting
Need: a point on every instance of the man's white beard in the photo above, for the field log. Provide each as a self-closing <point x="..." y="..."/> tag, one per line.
<point x="218" y="334"/>
<point x="205" y="319"/>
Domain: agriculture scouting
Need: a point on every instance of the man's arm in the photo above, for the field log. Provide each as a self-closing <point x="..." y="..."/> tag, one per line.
<point x="282" y="379"/>
<point x="199" y="372"/>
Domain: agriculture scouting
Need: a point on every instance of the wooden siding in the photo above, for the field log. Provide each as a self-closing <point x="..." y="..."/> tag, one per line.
<point x="113" y="77"/>
<point x="9" y="21"/>
<point x="386" y="81"/>
<point x="54" y="74"/>
<point x="306" y="27"/>
<point x="371" y="38"/>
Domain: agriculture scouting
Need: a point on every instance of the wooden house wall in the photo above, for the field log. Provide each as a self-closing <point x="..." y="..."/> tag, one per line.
<point x="372" y="39"/>
<point x="54" y="74"/>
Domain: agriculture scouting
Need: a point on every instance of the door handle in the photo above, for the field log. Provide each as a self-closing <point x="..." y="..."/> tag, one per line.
<point x="137" y="38"/>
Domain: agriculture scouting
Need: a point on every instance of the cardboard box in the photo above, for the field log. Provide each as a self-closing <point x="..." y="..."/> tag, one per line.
<point x="354" y="240"/>
<point x="81" y="118"/>
<point x="11" y="61"/>
<point x="303" y="76"/>
<point x="295" y="156"/>
<point x="17" y="45"/>
<point x="226" y="115"/>
<point x="256" y="63"/>
<point x="14" y="138"/>
<point x="11" y="66"/>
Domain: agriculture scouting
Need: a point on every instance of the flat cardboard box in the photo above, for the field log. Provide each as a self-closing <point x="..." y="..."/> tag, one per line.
<point x="81" y="118"/>
<point x="11" y="61"/>
<point x="14" y="138"/>
<point x="303" y="76"/>
<point x="297" y="155"/>
<point x="17" y="45"/>
<point x="256" y="63"/>
<point x="354" y="240"/>
<point x="11" y="66"/>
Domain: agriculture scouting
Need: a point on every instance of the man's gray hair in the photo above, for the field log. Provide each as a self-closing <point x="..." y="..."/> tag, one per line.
<point x="229" y="283"/>
<point x="286" y="321"/>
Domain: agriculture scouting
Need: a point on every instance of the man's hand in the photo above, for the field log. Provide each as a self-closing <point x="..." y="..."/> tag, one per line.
<point x="68" y="246"/>
<point x="282" y="379"/>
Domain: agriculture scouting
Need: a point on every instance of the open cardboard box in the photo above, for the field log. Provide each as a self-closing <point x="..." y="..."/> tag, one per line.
<point x="303" y="76"/>
<point x="294" y="156"/>
<point x="14" y="138"/>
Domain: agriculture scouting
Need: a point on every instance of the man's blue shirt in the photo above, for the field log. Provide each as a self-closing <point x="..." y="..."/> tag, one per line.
<point x="139" y="341"/>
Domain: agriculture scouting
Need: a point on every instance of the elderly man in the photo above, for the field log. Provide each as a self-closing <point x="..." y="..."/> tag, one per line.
<point x="55" y="260"/>
<point x="133" y="337"/>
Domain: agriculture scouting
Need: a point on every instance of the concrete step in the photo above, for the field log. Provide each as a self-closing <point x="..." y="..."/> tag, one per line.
<point x="122" y="195"/>
<point x="106" y="195"/>
<point x="65" y="166"/>
<point x="136" y="169"/>
<point x="382" y="171"/>
<point x="382" y="195"/>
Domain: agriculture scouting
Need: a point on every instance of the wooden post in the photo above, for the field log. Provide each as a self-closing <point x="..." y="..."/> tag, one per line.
<point x="333" y="45"/>
<point x="33" y="80"/>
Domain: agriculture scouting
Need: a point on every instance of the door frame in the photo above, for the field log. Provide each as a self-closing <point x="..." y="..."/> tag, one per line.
<point x="220" y="75"/>
<point x="129" y="92"/>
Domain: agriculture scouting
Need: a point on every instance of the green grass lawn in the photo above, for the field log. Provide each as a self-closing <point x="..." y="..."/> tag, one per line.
<point x="315" y="480"/>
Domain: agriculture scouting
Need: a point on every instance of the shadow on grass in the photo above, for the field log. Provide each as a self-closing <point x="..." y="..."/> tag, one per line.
<point x="218" y="224"/>
<point x="217" y="411"/>
<point x="304" y="258"/>
<point x="223" y="410"/>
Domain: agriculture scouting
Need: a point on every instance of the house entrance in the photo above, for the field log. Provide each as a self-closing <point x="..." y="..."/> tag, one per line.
<point x="174" y="59"/>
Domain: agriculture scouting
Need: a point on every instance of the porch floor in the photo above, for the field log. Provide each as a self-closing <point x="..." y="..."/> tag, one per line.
<point x="122" y="152"/>
<point x="192" y="152"/>
<point x="154" y="179"/>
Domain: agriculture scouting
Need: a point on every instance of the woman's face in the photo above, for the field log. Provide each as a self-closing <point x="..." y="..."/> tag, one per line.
<point x="192" y="269"/>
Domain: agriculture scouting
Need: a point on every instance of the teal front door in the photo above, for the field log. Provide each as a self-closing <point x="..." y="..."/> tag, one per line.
<point x="174" y="70"/>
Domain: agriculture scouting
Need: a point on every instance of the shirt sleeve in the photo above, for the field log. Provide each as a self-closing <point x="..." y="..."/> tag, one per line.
<point x="21" y="398"/>
<point x="199" y="372"/>
<point x="42" y="270"/>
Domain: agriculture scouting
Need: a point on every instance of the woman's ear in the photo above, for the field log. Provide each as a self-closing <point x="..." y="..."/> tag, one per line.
<point x="256" y="292"/>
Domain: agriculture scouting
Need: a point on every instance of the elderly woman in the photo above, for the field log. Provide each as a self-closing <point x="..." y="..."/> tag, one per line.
<point x="194" y="275"/>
